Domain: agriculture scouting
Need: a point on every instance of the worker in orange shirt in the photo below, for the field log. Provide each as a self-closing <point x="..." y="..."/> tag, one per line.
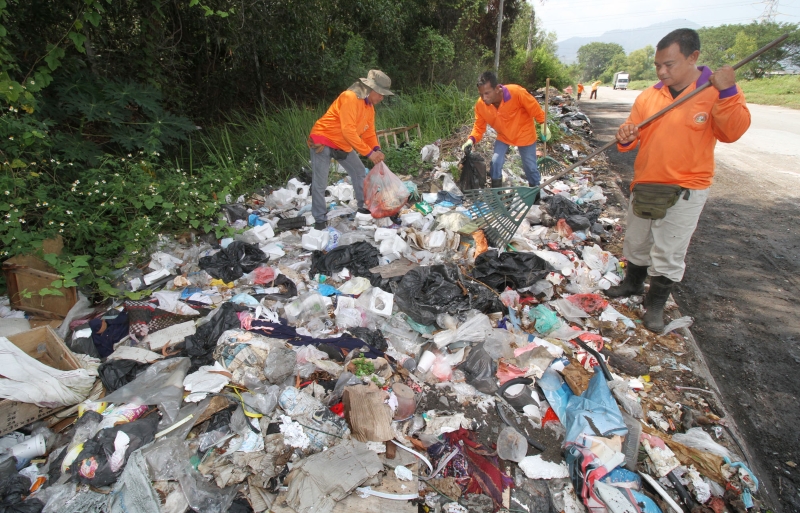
<point x="346" y="131"/>
<point x="675" y="166"/>
<point x="510" y="109"/>
<point x="581" y="89"/>
<point x="595" y="86"/>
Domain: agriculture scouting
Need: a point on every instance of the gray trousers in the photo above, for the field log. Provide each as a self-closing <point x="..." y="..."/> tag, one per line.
<point x="321" y="165"/>
<point x="661" y="244"/>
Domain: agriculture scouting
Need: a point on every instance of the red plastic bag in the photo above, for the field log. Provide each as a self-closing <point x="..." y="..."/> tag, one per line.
<point x="384" y="193"/>
<point x="589" y="303"/>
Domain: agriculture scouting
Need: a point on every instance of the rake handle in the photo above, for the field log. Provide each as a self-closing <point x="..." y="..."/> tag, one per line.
<point x="666" y="109"/>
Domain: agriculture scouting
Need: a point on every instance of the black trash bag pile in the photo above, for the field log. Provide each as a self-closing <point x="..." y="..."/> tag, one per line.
<point x="287" y="286"/>
<point x="93" y="464"/>
<point x="426" y="292"/>
<point x="515" y="270"/>
<point x="372" y="337"/>
<point x="13" y="490"/>
<point x="577" y="217"/>
<point x="117" y="373"/>
<point x="232" y="262"/>
<point x="358" y="258"/>
<point x="480" y="370"/>
<point x="200" y="346"/>
<point x="473" y="172"/>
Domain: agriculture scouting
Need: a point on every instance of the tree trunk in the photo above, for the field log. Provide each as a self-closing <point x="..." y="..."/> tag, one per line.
<point x="530" y="31"/>
<point x="260" y="81"/>
<point x="499" y="35"/>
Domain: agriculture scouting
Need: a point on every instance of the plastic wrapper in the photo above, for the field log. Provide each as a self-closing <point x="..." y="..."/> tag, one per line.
<point x="498" y="344"/>
<point x="545" y="319"/>
<point x="203" y="495"/>
<point x="589" y="303"/>
<point x="161" y="384"/>
<point x="309" y="411"/>
<point x="696" y="438"/>
<point x="279" y="365"/>
<point x="425" y="292"/>
<point x="232" y="262"/>
<point x="384" y="193"/>
<point x="569" y="311"/>
<point x="452" y="221"/>
<point x="473" y="172"/>
<point x="509" y="270"/>
<point x="79" y="310"/>
<point x="480" y="369"/>
<point x="599" y="260"/>
<point x="13" y="489"/>
<point x="475" y="329"/>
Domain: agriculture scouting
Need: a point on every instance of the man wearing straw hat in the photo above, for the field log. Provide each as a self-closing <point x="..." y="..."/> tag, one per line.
<point x="510" y="110"/>
<point x="346" y="131"/>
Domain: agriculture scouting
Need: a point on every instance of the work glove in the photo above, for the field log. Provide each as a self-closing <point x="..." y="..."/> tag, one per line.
<point x="467" y="146"/>
<point x="544" y="133"/>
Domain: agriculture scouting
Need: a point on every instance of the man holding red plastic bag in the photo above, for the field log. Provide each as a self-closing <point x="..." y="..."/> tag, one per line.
<point x="346" y="131"/>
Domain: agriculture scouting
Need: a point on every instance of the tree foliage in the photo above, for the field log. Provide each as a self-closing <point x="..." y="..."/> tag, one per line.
<point x="728" y="44"/>
<point x="595" y="58"/>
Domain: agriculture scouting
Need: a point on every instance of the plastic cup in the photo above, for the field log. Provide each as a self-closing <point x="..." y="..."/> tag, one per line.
<point x="30" y="448"/>
<point x="425" y="362"/>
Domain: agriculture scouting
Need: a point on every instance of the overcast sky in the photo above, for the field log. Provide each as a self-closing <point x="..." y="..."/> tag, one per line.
<point x="587" y="18"/>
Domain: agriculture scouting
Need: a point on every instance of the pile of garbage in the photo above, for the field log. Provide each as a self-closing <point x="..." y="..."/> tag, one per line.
<point x="390" y="362"/>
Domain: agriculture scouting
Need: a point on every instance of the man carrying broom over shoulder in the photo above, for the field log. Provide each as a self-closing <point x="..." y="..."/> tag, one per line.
<point x="674" y="167"/>
<point x="510" y="109"/>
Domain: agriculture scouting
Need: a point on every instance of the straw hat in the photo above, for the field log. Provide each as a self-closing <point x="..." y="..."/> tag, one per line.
<point x="378" y="82"/>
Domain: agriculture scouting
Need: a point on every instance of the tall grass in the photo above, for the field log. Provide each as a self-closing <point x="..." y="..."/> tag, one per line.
<point x="783" y="91"/>
<point x="275" y="139"/>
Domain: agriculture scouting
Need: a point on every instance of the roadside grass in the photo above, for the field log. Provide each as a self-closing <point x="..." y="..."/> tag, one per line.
<point x="783" y="91"/>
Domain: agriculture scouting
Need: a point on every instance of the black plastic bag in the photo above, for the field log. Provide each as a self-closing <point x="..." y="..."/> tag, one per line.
<point x="234" y="261"/>
<point x="515" y="270"/>
<point x="578" y="222"/>
<point x="358" y="258"/>
<point x="480" y="370"/>
<point x="92" y="466"/>
<point x="372" y="337"/>
<point x="83" y="345"/>
<point x="283" y="283"/>
<point x="234" y="212"/>
<point x="200" y="346"/>
<point x="116" y="373"/>
<point x="13" y="490"/>
<point x="473" y="172"/>
<point x="560" y="207"/>
<point x="426" y="292"/>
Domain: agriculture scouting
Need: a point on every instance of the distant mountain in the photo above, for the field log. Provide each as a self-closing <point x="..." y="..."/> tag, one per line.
<point x="631" y="39"/>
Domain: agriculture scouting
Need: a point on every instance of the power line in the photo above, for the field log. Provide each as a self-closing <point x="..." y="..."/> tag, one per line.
<point x="770" y="10"/>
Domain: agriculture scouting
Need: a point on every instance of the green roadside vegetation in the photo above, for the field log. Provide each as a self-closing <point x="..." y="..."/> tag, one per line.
<point x="783" y="91"/>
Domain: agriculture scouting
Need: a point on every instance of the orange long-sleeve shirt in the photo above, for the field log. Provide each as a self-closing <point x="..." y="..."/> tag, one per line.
<point x="349" y="124"/>
<point x="513" y="120"/>
<point x="678" y="148"/>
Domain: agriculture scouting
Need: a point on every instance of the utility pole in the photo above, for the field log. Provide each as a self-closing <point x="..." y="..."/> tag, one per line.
<point x="530" y="31"/>
<point x="499" y="34"/>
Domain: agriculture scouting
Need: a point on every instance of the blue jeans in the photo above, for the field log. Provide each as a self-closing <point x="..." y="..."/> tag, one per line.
<point x="528" y="155"/>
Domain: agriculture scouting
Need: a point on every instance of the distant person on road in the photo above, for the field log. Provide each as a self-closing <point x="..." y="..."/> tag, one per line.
<point x="581" y="89"/>
<point x="595" y="85"/>
<point x="346" y="131"/>
<point x="674" y="167"/>
<point x="510" y="109"/>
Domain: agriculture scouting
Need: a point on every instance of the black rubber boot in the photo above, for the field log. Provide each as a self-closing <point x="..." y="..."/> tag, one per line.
<point x="632" y="285"/>
<point x="497" y="182"/>
<point x="657" y="296"/>
<point x="321" y="225"/>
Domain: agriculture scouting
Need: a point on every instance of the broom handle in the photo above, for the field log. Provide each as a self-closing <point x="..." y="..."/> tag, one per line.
<point x="546" y="105"/>
<point x="666" y="109"/>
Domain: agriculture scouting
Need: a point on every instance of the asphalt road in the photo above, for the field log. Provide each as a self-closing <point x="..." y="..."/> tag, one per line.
<point x="742" y="283"/>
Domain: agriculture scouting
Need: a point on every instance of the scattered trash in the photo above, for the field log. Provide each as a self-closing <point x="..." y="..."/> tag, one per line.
<point x="391" y="359"/>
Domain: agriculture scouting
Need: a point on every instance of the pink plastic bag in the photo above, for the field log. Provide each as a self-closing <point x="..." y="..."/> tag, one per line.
<point x="384" y="193"/>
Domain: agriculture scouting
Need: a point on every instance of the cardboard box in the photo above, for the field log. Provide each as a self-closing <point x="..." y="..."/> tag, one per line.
<point x="28" y="273"/>
<point x="44" y="345"/>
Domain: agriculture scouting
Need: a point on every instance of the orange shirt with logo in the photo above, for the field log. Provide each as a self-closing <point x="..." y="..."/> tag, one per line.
<point x="678" y="148"/>
<point x="513" y="120"/>
<point x="581" y="88"/>
<point x="349" y="124"/>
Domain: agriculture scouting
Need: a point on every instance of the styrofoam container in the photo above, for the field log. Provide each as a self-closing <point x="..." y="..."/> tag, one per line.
<point x="381" y="302"/>
<point x="316" y="240"/>
<point x="384" y="233"/>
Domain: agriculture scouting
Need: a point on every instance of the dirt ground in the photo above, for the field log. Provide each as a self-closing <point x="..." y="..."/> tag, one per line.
<point x="742" y="286"/>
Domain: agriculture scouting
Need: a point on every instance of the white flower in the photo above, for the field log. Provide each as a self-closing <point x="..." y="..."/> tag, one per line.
<point x="69" y="212"/>
<point x="22" y="221"/>
<point x="8" y="192"/>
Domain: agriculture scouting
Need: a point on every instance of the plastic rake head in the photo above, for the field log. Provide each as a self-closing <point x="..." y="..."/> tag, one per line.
<point x="499" y="212"/>
<point x="548" y="166"/>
